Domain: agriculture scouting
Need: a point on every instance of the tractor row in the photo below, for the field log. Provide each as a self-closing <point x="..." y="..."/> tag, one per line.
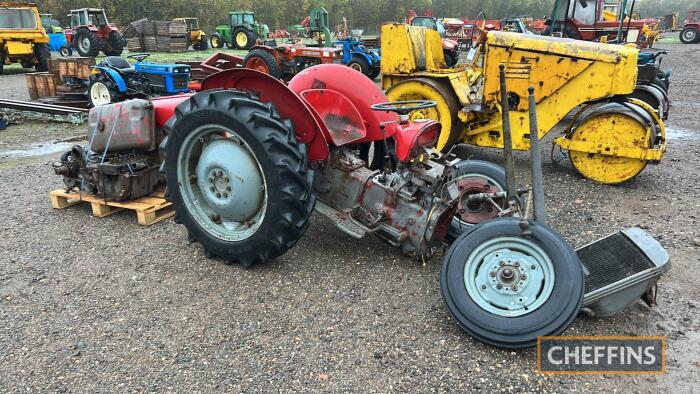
<point x="248" y="159"/>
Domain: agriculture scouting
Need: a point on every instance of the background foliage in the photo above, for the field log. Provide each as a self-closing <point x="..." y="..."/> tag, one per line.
<point x="367" y="14"/>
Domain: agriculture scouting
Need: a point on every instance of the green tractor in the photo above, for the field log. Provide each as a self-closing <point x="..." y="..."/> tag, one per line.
<point x="241" y="32"/>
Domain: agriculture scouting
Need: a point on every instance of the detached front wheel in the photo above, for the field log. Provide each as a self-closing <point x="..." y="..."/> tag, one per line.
<point x="507" y="288"/>
<point x="237" y="177"/>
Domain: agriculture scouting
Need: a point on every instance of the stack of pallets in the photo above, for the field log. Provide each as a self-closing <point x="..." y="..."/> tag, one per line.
<point x="156" y="36"/>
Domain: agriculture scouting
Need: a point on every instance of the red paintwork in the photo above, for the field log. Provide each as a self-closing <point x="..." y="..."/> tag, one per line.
<point x="359" y="89"/>
<point x="323" y="97"/>
<point x="693" y="19"/>
<point x="164" y="107"/>
<point x="412" y="136"/>
<point x="341" y="117"/>
<point x="289" y="104"/>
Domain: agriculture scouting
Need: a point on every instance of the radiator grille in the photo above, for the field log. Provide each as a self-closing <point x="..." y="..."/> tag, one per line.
<point x="610" y="260"/>
<point x="180" y="81"/>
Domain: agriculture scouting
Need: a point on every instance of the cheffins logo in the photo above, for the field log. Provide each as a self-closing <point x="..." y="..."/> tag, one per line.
<point x="601" y="355"/>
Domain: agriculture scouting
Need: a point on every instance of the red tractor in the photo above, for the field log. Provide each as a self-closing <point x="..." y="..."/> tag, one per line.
<point x="286" y="60"/>
<point x="248" y="159"/>
<point x="597" y="20"/>
<point x="90" y="33"/>
<point x="691" y="28"/>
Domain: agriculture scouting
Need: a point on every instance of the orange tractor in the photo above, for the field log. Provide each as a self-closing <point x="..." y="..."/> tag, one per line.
<point x="286" y="60"/>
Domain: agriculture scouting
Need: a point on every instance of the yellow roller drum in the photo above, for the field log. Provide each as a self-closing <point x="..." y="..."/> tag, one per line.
<point x="611" y="131"/>
<point x="445" y="112"/>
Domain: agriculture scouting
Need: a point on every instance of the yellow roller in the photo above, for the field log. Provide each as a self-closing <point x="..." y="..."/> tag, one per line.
<point x="445" y="112"/>
<point x="613" y="143"/>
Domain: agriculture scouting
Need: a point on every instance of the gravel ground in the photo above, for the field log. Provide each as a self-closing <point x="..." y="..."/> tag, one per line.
<point x="102" y="304"/>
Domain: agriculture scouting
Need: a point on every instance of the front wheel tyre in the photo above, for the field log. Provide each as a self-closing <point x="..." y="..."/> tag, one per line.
<point x="101" y="92"/>
<point x="689" y="35"/>
<point x="506" y="288"/>
<point x="237" y="177"/>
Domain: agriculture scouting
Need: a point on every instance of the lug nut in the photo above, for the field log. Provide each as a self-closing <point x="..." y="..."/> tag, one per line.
<point x="514" y="287"/>
<point x="492" y="274"/>
<point x="532" y="267"/>
<point x="226" y="179"/>
<point x="517" y="264"/>
<point x="218" y="195"/>
<point x="212" y="188"/>
<point x="499" y="286"/>
<point x="221" y="173"/>
<point x="501" y="263"/>
<point x="225" y="195"/>
<point x="523" y="276"/>
<point x="211" y="180"/>
<point x="228" y="188"/>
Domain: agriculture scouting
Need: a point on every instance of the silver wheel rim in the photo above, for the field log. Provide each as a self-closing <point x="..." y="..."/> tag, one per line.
<point x="509" y="276"/>
<point x="99" y="94"/>
<point x="84" y="44"/>
<point x="226" y="191"/>
<point x="356" y="67"/>
<point x="689" y="35"/>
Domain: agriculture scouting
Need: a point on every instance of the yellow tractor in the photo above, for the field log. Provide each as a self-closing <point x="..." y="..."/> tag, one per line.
<point x="22" y="37"/>
<point x="196" y="37"/>
<point x="610" y="137"/>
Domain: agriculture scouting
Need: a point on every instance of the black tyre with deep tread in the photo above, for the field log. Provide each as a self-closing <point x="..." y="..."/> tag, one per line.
<point x="95" y="43"/>
<point x="42" y="54"/>
<point x="249" y="34"/>
<point x="273" y="68"/>
<point x="115" y="44"/>
<point x="359" y="64"/>
<point x="203" y="45"/>
<point x="219" y="41"/>
<point x="282" y="159"/>
<point x="689" y="35"/>
<point x="375" y="73"/>
<point x="551" y="318"/>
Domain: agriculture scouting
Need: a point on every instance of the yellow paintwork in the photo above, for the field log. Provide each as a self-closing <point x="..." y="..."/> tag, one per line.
<point x="196" y="36"/>
<point x="18" y="44"/>
<point x="565" y="74"/>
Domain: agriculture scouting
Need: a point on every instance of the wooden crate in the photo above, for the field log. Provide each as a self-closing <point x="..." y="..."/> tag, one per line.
<point x="75" y="67"/>
<point x="149" y="210"/>
<point x="150" y="44"/>
<point x="162" y="28"/>
<point x="177" y="28"/>
<point x="134" y="44"/>
<point x="40" y="85"/>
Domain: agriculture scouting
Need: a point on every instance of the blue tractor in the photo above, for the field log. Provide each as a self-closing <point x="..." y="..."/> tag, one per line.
<point x="359" y="58"/>
<point x="114" y="79"/>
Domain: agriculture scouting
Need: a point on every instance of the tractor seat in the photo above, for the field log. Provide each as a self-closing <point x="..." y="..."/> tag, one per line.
<point x="120" y="63"/>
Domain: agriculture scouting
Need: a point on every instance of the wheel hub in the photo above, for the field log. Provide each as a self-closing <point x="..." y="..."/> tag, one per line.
<point x="85" y="44"/>
<point x="475" y="212"/>
<point x="509" y="277"/>
<point x="230" y="180"/>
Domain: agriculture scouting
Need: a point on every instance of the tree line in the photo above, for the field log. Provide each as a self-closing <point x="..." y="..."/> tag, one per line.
<point x="361" y="14"/>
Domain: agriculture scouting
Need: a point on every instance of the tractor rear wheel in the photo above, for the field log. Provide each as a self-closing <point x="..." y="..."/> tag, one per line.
<point x="201" y="45"/>
<point x="216" y="41"/>
<point x="87" y="43"/>
<point x="474" y="177"/>
<point x="237" y="177"/>
<point x="360" y="65"/>
<point x="613" y="125"/>
<point x="263" y="61"/>
<point x="506" y="288"/>
<point x="690" y="35"/>
<point x="243" y="38"/>
<point x="115" y="44"/>
<point x="445" y="112"/>
<point x="42" y="54"/>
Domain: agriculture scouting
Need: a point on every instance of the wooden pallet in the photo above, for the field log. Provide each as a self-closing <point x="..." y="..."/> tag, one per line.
<point x="149" y="210"/>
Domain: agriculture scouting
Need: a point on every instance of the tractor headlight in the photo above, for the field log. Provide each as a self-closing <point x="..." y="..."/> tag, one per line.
<point x="326" y="53"/>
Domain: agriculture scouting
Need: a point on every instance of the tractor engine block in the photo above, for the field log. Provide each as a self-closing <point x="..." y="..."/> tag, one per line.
<point x="409" y="208"/>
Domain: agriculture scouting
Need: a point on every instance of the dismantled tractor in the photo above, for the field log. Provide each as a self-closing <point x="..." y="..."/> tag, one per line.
<point x="613" y="135"/>
<point x="286" y="60"/>
<point x="248" y="159"/>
